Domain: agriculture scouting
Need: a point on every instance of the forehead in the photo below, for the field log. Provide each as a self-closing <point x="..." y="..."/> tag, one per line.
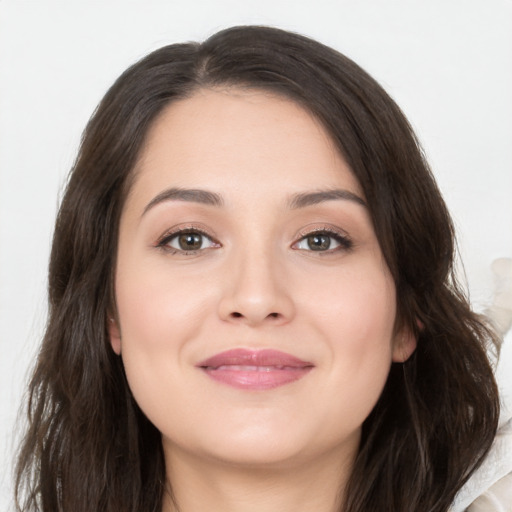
<point x="240" y="141"/>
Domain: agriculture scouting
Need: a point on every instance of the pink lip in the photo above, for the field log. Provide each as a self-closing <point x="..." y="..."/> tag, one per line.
<point x="255" y="369"/>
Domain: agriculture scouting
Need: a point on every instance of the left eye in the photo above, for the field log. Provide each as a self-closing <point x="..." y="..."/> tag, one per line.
<point x="188" y="241"/>
<point x="322" y="242"/>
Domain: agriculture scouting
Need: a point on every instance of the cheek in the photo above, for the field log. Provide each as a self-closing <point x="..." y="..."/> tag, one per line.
<point x="159" y="316"/>
<point x="154" y="300"/>
<point x="357" y="307"/>
<point x="355" y="317"/>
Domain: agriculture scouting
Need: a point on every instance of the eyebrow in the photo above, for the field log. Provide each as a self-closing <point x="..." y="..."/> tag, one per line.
<point x="300" y="200"/>
<point x="192" y="195"/>
<point x="311" y="198"/>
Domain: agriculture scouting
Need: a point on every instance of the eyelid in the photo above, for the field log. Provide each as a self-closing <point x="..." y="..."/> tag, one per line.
<point x="343" y="239"/>
<point x="341" y="236"/>
<point x="164" y="239"/>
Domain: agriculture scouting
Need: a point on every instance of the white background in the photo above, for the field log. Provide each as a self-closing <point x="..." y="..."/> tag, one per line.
<point x="448" y="64"/>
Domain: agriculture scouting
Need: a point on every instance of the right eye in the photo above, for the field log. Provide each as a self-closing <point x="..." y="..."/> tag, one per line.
<point x="187" y="242"/>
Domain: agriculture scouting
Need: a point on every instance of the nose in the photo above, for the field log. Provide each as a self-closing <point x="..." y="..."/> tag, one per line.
<point x="256" y="291"/>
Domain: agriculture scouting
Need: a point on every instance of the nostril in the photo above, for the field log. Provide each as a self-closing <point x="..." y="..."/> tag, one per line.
<point x="236" y="314"/>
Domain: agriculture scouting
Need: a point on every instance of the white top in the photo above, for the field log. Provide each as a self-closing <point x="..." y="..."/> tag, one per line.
<point x="490" y="487"/>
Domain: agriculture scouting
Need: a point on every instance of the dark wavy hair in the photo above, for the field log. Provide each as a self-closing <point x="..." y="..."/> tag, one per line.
<point x="88" y="447"/>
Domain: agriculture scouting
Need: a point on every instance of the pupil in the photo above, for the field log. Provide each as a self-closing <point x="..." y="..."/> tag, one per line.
<point x="190" y="241"/>
<point x="319" y="242"/>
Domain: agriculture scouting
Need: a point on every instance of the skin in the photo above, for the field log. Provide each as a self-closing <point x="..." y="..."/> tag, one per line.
<point x="254" y="283"/>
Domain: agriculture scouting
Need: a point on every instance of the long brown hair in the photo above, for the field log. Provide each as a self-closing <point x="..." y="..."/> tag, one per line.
<point x="88" y="446"/>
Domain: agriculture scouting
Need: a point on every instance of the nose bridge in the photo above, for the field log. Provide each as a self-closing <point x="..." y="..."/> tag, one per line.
<point x="255" y="289"/>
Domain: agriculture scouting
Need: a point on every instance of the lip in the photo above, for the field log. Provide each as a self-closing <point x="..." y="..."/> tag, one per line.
<point x="255" y="369"/>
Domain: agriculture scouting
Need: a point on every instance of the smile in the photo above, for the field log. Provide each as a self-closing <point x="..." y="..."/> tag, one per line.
<point x="255" y="369"/>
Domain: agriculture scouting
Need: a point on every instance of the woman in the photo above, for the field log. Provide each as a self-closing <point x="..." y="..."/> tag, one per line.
<point x="252" y="304"/>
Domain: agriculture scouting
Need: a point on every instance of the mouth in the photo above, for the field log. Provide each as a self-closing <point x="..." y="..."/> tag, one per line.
<point x="255" y="369"/>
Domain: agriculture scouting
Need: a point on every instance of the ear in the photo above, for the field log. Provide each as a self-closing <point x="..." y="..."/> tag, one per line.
<point x="404" y="345"/>
<point x="114" y="333"/>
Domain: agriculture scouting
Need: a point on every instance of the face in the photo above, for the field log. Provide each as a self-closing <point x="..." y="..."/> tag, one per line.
<point x="256" y="314"/>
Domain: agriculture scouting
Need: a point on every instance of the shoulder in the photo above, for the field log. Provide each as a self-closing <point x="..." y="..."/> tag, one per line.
<point x="490" y="488"/>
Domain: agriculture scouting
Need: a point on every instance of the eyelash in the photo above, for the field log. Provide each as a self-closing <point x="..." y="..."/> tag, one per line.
<point x="163" y="242"/>
<point x="345" y="243"/>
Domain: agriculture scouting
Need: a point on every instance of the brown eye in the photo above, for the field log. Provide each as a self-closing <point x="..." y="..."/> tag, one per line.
<point x="319" y="242"/>
<point x="187" y="242"/>
<point x="323" y="241"/>
<point x="190" y="241"/>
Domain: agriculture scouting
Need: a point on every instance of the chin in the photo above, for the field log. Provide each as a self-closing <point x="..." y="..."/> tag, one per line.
<point x="265" y="454"/>
<point x="269" y="446"/>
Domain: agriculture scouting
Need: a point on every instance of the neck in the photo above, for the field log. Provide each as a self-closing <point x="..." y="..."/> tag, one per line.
<point x="222" y="487"/>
